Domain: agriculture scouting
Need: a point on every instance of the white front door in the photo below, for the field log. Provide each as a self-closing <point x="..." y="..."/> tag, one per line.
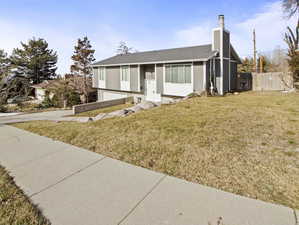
<point x="151" y="86"/>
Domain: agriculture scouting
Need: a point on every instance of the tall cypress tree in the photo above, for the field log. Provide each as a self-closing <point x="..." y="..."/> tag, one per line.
<point x="82" y="59"/>
<point x="35" y="60"/>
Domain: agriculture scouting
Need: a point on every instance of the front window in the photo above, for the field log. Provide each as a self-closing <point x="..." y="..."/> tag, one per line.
<point x="178" y="74"/>
<point x="124" y="73"/>
<point x="101" y="73"/>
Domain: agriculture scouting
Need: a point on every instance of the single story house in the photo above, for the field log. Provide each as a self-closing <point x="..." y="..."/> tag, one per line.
<point x="44" y="88"/>
<point x="158" y="75"/>
<point x="40" y="90"/>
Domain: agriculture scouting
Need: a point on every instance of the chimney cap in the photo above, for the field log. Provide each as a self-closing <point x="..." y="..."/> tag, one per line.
<point x="221" y="20"/>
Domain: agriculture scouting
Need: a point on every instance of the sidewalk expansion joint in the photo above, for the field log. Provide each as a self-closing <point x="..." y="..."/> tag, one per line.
<point x="138" y="203"/>
<point x="67" y="177"/>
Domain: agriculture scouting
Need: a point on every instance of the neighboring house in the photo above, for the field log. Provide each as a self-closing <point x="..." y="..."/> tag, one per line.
<point x="158" y="75"/>
<point x="40" y="90"/>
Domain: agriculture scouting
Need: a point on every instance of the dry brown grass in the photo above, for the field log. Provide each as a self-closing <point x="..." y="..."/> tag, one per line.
<point x="15" y="208"/>
<point x="94" y="113"/>
<point x="244" y="144"/>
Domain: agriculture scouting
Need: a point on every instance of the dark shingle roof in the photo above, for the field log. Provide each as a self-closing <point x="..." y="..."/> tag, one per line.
<point x="175" y="54"/>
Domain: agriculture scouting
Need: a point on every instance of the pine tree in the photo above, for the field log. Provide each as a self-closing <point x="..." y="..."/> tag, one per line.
<point x="82" y="59"/>
<point x="35" y="60"/>
<point x="4" y="64"/>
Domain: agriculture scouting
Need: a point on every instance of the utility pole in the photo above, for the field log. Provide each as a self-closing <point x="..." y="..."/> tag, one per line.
<point x="254" y="52"/>
<point x="261" y="64"/>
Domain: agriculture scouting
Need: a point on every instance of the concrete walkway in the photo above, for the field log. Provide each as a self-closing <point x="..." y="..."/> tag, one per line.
<point x="51" y="115"/>
<point x="76" y="186"/>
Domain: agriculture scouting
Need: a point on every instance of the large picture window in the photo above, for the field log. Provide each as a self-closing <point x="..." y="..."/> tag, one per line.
<point x="125" y="73"/>
<point x="178" y="73"/>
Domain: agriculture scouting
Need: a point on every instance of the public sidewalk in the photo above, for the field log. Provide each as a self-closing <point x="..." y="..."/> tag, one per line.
<point x="6" y="118"/>
<point x="75" y="186"/>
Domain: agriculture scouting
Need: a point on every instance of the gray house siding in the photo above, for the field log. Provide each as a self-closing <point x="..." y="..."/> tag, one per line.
<point x="198" y="79"/>
<point x="216" y="41"/>
<point x="159" y="78"/>
<point x="134" y="78"/>
<point x="226" y="44"/>
<point x="113" y="78"/>
<point x="225" y="76"/>
<point x="208" y="71"/>
<point x="233" y="71"/>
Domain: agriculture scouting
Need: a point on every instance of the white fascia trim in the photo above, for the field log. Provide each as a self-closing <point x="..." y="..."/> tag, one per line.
<point x="158" y="62"/>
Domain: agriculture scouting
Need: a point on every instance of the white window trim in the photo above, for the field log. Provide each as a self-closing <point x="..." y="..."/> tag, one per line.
<point x="101" y="83"/>
<point x="129" y="78"/>
<point x="183" y="64"/>
<point x="104" y="73"/>
<point x="178" y="84"/>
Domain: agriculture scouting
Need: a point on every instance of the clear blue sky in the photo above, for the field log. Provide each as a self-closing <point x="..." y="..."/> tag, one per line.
<point x="143" y="24"/>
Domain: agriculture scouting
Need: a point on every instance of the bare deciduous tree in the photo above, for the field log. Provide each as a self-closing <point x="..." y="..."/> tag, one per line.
<point x="290" y="7"/>
<point x="292" y="40"/>
<point x="123" y="49"/>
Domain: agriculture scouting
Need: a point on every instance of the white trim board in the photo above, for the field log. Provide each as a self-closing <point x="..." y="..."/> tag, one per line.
<point x="157" y="62"/>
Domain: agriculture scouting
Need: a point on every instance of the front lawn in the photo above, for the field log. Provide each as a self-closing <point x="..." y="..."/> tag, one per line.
<point x="246" y="144"/>
<point x="15" y="208"/>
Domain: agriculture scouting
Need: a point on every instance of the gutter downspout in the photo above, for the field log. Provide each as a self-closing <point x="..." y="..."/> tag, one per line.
<point x="212" y="79"/>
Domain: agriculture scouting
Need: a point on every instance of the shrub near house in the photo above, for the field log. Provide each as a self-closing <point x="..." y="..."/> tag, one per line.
<point x="62" y="92"/>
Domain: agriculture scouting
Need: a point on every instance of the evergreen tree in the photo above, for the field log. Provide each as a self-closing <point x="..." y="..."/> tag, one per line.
<point x="35" y="60"/>
<point x="4" y="64"/>
<point x="82" y="59"/>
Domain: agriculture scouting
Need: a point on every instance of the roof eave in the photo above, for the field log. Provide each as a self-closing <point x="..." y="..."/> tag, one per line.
<point x="154" y="62"/>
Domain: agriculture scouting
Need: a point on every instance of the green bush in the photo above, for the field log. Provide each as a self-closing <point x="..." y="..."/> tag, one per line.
<point x="73" y="98"/>
<point x="47" y="102"/>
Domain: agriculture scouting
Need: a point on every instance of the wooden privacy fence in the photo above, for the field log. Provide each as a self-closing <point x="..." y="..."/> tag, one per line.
<point x="272" y="81"/>
<point x="98" y="105"/>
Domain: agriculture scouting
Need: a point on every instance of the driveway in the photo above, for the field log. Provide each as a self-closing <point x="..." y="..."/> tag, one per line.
<point x="74" y="186"/>
<point x="51" y="115"/>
